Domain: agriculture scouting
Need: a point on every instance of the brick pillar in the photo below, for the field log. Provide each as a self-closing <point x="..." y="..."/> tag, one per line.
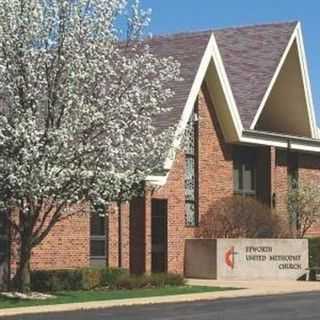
<point x="280" y="187"/>
<point x="148" y="236"/>
<point x="113" y="238"/>
<point x="125" y="235"/>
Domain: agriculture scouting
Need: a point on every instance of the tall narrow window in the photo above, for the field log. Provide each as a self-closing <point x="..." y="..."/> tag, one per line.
<point x="190" y="148"/>
<point x="98" y="243"/>
<point x="244" y="171"/>
<point x="293" y="172"/>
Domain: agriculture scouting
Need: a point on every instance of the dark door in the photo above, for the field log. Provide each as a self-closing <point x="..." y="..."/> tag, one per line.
<point x="137" y="236"/>
<point x="159" y="236"/>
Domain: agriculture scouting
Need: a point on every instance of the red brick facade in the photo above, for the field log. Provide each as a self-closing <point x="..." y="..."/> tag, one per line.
<point x="67" y="245"/>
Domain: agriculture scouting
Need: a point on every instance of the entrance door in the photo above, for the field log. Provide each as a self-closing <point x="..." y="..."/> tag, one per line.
<point x="159" y="255"/>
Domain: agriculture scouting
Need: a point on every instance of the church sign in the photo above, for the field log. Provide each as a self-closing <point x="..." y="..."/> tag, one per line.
<point x="247" y="259"/>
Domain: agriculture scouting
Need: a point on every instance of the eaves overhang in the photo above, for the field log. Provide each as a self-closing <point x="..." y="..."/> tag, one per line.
<point x="295" y="143"/>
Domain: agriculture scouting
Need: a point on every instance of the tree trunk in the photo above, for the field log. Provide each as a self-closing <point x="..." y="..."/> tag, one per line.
<point x="22" y="279"/>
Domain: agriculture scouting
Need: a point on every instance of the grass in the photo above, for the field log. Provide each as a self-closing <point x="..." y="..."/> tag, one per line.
<point x="86" y="296"/>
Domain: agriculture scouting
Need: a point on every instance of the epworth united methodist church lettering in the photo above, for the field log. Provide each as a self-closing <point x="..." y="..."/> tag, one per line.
<point x="265" y="254"/>
<point x="247" y="259"/>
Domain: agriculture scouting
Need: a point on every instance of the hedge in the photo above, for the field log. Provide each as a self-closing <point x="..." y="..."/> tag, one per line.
<point x="74" y="279"/>
<point x="156" y="280"/>
<point x="314" y="252"/>
<point x="92" y="278"/>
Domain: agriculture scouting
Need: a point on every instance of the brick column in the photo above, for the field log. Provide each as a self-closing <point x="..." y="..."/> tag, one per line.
<point x="280" y="187"/>
<point x="125" y="235"/>
<point x="113" y="238"/>
<point x="148" y="236"/>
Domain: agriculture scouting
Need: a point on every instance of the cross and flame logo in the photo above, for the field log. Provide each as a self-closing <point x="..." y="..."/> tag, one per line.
<point x="229" y="257"/>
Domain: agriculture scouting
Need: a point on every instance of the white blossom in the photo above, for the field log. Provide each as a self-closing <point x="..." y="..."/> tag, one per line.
<point x="78" y="95"/>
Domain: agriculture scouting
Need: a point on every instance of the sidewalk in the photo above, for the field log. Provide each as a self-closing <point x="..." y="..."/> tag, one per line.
<point x="261" y="287"/>
<point x="252" y="288"/>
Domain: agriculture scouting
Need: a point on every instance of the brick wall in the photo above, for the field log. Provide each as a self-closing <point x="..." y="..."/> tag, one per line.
<point x="215" y="183"/>
<point x="66" y="246"/>
<point x="280" y="181"/>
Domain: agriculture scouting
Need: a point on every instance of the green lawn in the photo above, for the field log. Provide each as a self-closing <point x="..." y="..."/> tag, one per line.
<point x="85" y="296"/>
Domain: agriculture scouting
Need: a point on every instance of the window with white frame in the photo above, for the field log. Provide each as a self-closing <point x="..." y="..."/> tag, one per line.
<point x="98" y="245"/>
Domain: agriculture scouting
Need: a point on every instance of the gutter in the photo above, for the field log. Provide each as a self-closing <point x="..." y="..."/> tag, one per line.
<point x="303" y="144"/>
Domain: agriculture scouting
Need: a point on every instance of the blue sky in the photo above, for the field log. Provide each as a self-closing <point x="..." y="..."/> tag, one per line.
<point x="189" y="15"/>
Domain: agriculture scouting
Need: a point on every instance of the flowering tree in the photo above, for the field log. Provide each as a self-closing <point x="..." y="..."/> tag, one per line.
<point x="78" y="94"/>
<point x="303" y="206"/>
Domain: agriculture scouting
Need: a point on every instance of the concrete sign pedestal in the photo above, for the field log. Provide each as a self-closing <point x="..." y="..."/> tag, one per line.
<point x="246" y="259"/>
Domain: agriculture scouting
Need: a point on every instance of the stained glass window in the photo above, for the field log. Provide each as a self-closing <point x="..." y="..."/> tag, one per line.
<point x="190" y="149"/>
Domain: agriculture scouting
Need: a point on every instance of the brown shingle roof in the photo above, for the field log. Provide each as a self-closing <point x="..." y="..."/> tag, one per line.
<point x="250" y="56"/>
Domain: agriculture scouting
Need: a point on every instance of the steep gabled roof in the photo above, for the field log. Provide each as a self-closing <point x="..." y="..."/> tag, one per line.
<point x="188" y="49"/>
<point x="250" y="57"/>
<point x="254" y="74"/>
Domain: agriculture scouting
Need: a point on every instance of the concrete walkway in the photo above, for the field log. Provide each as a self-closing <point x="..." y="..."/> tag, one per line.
<point x="252" y="288"/>
<point x="261" y="287"/>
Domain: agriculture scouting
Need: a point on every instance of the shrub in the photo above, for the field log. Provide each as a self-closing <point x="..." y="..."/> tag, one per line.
<point x="74" y="279"/>
<point x="242" y="217"/>
<point x="91" y="278"/>
<point x="56" y="280"/>
<point x="132" y="282"/>
<point x="166" y="279"/>
<point x="173" y="279"/>
<point x="110" y="276"/>
<point x="156" y="280"/>
<point x="314" y="252"/>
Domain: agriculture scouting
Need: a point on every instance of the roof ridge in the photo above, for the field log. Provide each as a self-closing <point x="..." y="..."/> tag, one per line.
<point x="196" y="33"/>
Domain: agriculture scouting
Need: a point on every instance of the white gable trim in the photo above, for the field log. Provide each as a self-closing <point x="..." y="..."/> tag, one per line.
<point x="296" y="36"/>
<point x="217" y="59"/>
<point x="306" y="81"/>
<point x="273" y="80"/>
<point x="211" y="53"/>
